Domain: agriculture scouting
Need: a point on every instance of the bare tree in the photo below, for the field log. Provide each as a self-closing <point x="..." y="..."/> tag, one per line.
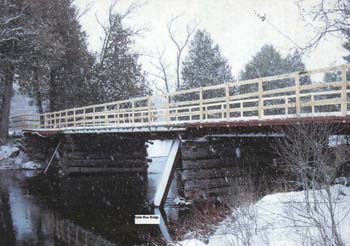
<point x="83" y="11"/>
<point x="306" y="154"/>
<point x="180" y="46"/>
<point x="130" y="32"/>
<point x="161" y="67"/>
<point x="327" y="18"/>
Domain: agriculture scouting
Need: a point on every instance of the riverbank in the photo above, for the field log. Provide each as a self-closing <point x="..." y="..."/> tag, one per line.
<point x="12" y="157"/>
<point x="283" y="219"/>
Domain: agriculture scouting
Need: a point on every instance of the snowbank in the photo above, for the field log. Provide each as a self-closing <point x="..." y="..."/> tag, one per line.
<point x="283" y="219"/>
<point x="8" y="151"/>
<point x="11" y="157"/>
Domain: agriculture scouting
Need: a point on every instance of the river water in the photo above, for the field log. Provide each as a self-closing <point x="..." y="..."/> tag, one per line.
<point x="79" y="210"/>
<point x="100" y="209"/>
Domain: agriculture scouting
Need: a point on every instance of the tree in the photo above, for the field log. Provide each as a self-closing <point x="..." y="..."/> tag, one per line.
<point x="118" y="70"/>
<point x="58" y="68"/>
<point x="161" y="67"/>
<point x="70" y="64"/>
<point x="268" y="62"/>
<point x="346" y="45"/>
<point x="204" y="64"/>
<point x="313" y="166"/>
<point x="15" y="34"/>
<point x="179" y="46"/>
<point x="329" y="17"/>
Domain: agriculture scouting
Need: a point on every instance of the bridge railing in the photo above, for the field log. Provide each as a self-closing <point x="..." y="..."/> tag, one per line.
<point x="320" y="92"/>
<point x="25" y="121"/>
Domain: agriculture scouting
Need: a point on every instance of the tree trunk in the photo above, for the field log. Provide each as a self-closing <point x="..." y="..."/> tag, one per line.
<point x="178" y="70"/>
<point x="37" y="93"/>
<point x="53" y="90"/>
<point x="6" y="102"/>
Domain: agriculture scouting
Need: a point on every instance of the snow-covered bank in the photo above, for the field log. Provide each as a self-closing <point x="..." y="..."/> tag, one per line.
<point x="283" y="219"/>
<point x="11" y="157"/>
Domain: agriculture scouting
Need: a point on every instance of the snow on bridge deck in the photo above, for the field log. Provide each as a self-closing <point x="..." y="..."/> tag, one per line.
<point x="262" y="102"/>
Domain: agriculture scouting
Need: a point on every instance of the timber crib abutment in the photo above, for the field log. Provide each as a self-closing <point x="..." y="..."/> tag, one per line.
<point x="108" y="153"/>
<point x="90" y="153"/>
<point x="215" y="168"/>
<point x="207" y="169"/>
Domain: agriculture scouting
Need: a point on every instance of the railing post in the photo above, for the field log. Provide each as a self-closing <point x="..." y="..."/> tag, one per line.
<point x="227" y="93"/>
<point x="84" y="117"/>
<point x="297" y="94"/>
<point x="93" y="116"/>
<point x="66" y="120"/>
<point x="286" y="106"/>
<point x="59" y="118"/>
<point x="343" y="91"/>
<point x="74" y="118"/>
<point x="106" y="115"/>
<point x="167" y="109"/>
<point x="118" y="115"/>
<point x="261" y="103"/>
<point x="149" y="102"/>
<point x="201" y="103"/>
<point x="133" y="111"/>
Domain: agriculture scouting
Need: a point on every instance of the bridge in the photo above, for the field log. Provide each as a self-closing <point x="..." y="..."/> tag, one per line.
<point x="111" y="137"/>
<point x="281" y="99"/>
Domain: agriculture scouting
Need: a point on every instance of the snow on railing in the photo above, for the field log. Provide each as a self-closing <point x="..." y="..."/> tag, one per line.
<point x="300" y="94"/>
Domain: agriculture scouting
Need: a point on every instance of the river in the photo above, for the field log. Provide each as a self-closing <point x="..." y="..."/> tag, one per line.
<point x="80" y="209"/>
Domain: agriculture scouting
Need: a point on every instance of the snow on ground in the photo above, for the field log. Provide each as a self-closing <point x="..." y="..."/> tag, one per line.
<point x="282" y="219"/>
<point x="11" y="157"/>
<point x="8" y="151"/>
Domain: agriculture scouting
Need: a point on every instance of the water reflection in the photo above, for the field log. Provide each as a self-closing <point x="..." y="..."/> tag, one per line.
<point x="22" y="221"/>
<point x="81" y="210"/>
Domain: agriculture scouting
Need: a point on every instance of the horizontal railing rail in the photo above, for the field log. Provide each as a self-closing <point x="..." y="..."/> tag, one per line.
<point x="317" y="92"/>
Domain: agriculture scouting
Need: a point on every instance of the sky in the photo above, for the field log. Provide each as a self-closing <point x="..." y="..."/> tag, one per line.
<point x="233" y="25"/>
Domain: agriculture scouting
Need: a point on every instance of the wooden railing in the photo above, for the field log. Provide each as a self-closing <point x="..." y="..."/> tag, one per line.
<point x="292" y="95"/>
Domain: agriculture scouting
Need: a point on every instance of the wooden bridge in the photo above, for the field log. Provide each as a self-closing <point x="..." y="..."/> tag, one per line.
<point x="204" y="168"/>
<point x="321" y="94"/>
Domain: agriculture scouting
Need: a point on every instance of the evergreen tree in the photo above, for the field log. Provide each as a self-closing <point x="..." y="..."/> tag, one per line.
<point x="204" y="64"/>
<point x="118" y="71"/>
<point x="71" y="66"/>
<point x="59" y="62"/>
<point x="268" y="62"/>
<point x="346" y="45"/>
<point x="15" y="35"/>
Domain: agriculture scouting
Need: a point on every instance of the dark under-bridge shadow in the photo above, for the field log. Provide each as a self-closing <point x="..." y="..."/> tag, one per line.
<point x="75" y="210"/>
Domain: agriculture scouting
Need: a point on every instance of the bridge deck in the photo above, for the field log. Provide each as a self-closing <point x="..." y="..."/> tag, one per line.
<point x="277" y="100"/>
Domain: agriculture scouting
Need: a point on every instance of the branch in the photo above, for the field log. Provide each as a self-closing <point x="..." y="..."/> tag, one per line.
<point x="86" y="9"/>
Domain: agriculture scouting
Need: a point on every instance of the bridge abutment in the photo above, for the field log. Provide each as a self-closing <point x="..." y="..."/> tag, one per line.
<point x="209" y="169"/>
<point x="89" y="153"/>
<point x="217" y="168"/>
<point x="107" y="153"/>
